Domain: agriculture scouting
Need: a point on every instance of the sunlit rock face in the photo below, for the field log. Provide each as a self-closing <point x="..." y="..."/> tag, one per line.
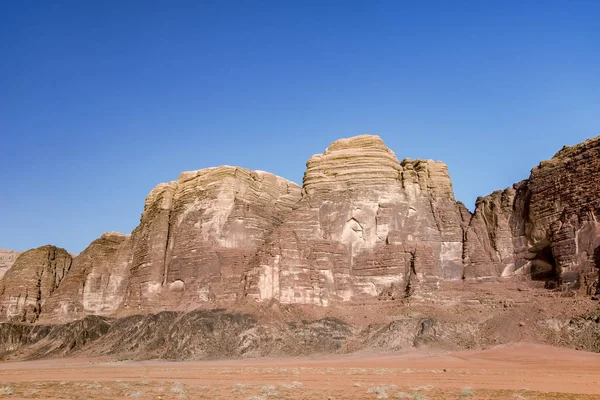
<point x="546" y="227"/>
<point x="7" y="259"/>
<point x="363" y="226"/>
<point x="197" y="234"/>
<point x="32" y="279"/>
<point x="367" y="226"/>
<point x="562" y="199"/>
<point x="96" y="282"/>
<point x="491" y="236"/>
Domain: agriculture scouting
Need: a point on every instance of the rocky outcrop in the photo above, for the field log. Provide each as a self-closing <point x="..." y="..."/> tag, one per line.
<point x="32" y="279"/>
<point x="97" y="281"/>
<point x="7" y="259"/>
<point x="197" y="234"/>
<point x="546" y="227"/>
<point x="563" y="206"/>
<point x="488" y="246"/>
<point x="364" y="226"/>
<point x="367" y="226"/>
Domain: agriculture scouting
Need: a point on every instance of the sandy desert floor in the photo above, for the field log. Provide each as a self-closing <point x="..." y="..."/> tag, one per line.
<point x="520" y="371"/>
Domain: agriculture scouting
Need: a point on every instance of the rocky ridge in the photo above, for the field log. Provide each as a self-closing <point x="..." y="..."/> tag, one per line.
<point x="7" y="259"/>
<point x="32" y="279"/>
<point x="364" y="228"/>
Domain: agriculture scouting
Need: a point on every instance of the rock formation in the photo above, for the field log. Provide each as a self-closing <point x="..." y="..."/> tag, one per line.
<point x="32" y="279"/>
<point x="197" y="234"/>
<point x="363" y="227"/>
<point x="7" y="259"/>
<point x="546" y="227"/>
<point x="97" y="281"/>
<point x="367" y="226"/>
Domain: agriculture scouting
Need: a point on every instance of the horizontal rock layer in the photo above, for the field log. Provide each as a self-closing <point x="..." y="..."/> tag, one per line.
<point x="7" y="259"/>
<point x="32" y="279"/>
<point x="363" y="226"/>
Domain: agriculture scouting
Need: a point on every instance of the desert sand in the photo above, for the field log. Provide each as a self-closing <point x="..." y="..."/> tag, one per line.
<point x="519" y="371"/>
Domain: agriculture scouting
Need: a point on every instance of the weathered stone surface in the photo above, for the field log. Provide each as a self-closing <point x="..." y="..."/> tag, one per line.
<point x="489" y="249"/>
<point x="27" y="285"/>
<point x="547" y="226"/>
<point x="564" y="206"/>
<point x="197" y="234"/>
<point x="7" y="259"/>
<point x="363" y="227"/>
<point x="97" y="281"/>
<point x="367" y="226"/>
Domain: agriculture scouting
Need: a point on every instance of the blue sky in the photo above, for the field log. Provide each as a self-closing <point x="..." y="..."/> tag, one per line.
<point x="101" y="101"/>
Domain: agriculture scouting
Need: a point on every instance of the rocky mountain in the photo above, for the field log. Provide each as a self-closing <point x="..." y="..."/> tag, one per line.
<point x="7" y="259"/>
<point x="546" y="226"/>
<point x="367" y="225"/>
<point x="364" y="228"/>
<point x="32" y="279"/>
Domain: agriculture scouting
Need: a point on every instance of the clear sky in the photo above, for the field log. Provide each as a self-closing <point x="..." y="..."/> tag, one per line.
<point x="102" y="100"/>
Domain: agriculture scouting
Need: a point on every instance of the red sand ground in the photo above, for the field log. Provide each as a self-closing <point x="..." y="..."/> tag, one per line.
<point x="520" y="371"/>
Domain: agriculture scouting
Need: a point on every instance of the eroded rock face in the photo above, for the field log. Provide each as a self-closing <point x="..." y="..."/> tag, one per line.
<point x="197" y="234"/>
<point x="364" y="226"/>
<point x="546" y="226"/>
<point x="32" y="279"/>
<point x="367" y="226"/>
<point x="489" y="237"/>
<point x="97" y="281"/>
<point x="563" y="209"/>
<point x="7" y="259"/>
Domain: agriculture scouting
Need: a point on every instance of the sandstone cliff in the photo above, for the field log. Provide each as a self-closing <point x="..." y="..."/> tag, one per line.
<point x="7" y="259"/>
<point x="197" y="234"/>
<point x="546" y="227"/>
<point x="96" y="282"/>
<point x="367" y="226"/>
<point x="363" y="227"/>
<point x="32" y="279"/>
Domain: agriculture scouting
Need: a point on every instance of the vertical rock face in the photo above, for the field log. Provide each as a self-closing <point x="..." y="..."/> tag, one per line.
<point x="547" y="226"/>
<point x="489" y="247"/>
<point x="197" y="234"/>
<point x="363" y="226"/>
<point x="32" y="279"/>
<point x="7" y="259"/>
<point x="563" y="204"/>
<point x="96" y="282"/>
<point x="367" y="226"/>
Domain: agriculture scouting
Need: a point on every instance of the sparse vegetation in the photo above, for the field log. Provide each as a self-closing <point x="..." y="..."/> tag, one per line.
<point x="5" y="390"/>
<point x="179" y="389"/>
<point x="239" y="388"/>
<point x="292" y="385"/>
<point x="466" y="392"/>
<point x="136" y="394"/>
<point x="425" y="388"/>
<point x="381" y="391"/>
<point x="269" y="391"/>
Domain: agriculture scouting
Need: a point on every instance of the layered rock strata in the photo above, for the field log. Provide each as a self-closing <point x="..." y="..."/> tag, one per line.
<point x="545" y="227"/>
<point x="97" y="281"/>
<point x="367" y="226"/>
<point x="32" y="279"/>
<point x="364" y="226"/>
<point x="7" y="259"/>
<point x="197" y="234"/>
